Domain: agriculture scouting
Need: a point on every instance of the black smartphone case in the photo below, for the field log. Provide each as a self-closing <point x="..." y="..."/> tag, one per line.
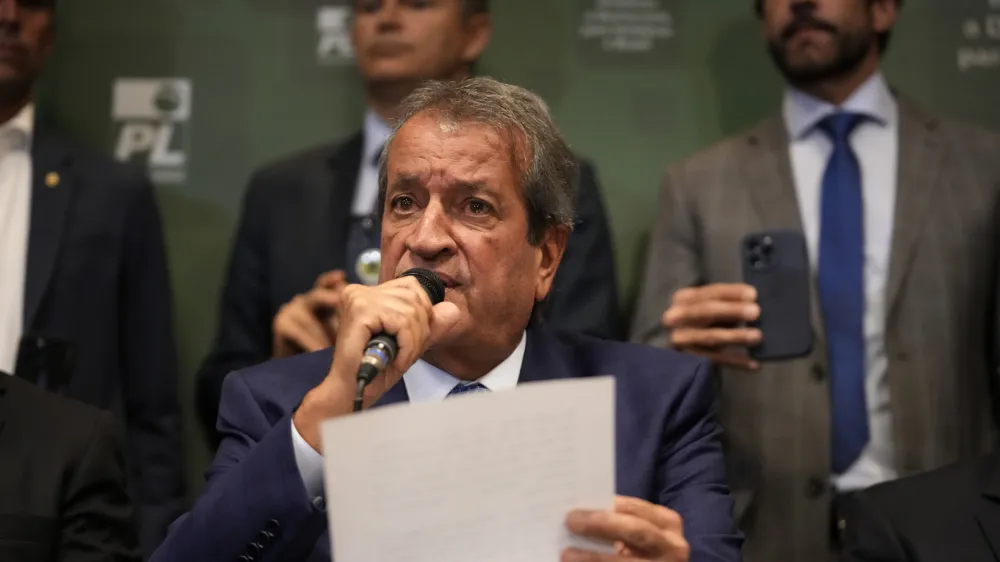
<point x="776" y="263"/>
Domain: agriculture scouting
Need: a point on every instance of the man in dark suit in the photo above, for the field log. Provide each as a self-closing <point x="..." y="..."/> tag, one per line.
<point x="946" y="515"/>
<point x="85" y="302"/>
<point x="307" y="228"/>
<point x="63" y="486"/>
<point x="477" y="185"/>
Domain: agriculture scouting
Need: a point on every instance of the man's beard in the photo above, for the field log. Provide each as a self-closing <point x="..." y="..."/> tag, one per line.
<point x="850" y="49"/>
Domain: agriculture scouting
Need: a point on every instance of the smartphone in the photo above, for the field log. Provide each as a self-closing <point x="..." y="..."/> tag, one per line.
<point x="776" y="263"/>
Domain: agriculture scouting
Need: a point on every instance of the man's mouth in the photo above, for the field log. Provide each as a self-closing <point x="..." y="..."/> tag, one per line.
<point x="449" y="282"/>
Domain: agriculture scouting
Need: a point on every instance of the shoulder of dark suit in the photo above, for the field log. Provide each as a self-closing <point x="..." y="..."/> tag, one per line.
<point x="322" y="155"/>
<point x="89" y="163"/>
<point x="57" y="418"/>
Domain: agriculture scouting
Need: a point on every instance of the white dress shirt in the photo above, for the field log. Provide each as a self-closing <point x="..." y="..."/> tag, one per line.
<point x="15" y="219"/>
<point x="424" y="383"/>
<point x="376" y="132"/>
<point x="875" y="142"/>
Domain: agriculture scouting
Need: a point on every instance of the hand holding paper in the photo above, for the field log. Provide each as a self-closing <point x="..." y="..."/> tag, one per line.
<point x="639" y="529"/>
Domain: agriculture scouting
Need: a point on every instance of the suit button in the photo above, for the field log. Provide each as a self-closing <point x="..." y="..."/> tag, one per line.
<point x="266" y="537"/>
<point x="815" y="488"/>
<point x="818" y="373"/>
<point x="246" y="558"/>
<point x="274" y="527"/>
<point x="254" y="549"/>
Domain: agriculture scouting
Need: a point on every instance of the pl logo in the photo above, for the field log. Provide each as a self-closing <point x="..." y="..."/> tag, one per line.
<point x="151" y="117"/>
<point x="333" y="26"/>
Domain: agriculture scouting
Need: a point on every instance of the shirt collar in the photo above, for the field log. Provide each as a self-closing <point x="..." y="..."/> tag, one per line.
<point x="873" y="99"/>
<point x="376" y="132"/>
<point x="426" y="383"/>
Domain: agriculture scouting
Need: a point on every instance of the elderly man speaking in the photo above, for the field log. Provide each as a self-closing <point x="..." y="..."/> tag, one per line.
<point x="476" y="184"/>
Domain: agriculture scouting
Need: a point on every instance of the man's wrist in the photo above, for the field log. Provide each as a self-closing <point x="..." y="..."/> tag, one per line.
<point x="330" y="399"/>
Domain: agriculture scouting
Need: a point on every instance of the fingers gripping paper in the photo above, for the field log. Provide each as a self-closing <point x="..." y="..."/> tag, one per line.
<point x="484" y="476"/>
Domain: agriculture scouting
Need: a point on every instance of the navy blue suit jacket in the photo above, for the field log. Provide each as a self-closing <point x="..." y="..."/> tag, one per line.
<point x="667" y="441"/>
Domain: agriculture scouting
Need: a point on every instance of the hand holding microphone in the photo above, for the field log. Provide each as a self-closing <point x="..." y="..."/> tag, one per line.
<point x="401" y="308"/>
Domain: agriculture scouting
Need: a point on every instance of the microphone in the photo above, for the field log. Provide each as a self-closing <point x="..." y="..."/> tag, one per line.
<point x="381" y="349"/>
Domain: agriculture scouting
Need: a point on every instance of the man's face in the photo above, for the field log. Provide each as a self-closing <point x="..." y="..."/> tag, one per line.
<point x="813" y="40"/>
<point x="415" y="39"/>
<point x="453" y="204"/>
<point x="25" y="42"/>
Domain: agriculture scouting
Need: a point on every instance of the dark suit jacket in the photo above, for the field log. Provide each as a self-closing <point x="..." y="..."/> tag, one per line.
<point x="63" y="492"/>
<point x="948" y="515"/>
<point x="97" y="278"/>
<point x="294" y="227"/>
<point x="667" y="442"/>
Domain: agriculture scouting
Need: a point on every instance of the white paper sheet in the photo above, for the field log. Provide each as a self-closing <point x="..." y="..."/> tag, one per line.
<point x="480" y="477"/>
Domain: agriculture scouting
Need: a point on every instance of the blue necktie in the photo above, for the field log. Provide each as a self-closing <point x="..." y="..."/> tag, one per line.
<point x="464" y="387"/>
<point x="842" y="291"/>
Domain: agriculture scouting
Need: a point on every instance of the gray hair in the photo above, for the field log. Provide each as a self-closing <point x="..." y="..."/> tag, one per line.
<point x="543" y="162"/>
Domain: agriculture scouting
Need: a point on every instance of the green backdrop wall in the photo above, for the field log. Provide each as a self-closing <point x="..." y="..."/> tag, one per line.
<point x="635" y="85"/>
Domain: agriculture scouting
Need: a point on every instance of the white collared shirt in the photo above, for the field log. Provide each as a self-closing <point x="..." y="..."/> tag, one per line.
<point x="424" y="383"/>
<point x="376" y="132"/>
<point x="15" y="221"/>
<point x="875" y="142"/>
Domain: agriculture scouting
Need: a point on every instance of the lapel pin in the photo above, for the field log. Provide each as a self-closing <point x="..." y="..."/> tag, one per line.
<point x="51" y="179"/>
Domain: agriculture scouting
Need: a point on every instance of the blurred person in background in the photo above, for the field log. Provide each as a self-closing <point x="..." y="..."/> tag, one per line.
<point x="308" y="226"/>
<point x="900" y="211"/>
<point x="63" y="481"/>
<point x="85" y="300"/>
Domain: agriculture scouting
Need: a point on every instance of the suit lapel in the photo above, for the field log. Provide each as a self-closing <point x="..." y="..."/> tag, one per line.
<point x="767" y="171"/>
<point x="344" y="166"/>
<point x="545" y="358"/>
<point x="394" y="395"/>
<point x="988" y="512"/>
<point x="920" y="160"/>
<point x="51" y="194"/>
<point x="3" y="406"/>
<point x="326" y="208"/>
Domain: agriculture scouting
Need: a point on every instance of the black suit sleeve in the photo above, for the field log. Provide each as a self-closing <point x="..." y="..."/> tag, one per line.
<point x="152" y="409"/>
<point x="244" y="335"/>
<point x="584" y="296"/>
<point x="870" y="536"/>
<point x="97" y="522"/>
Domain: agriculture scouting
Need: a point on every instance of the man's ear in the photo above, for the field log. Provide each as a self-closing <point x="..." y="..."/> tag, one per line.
<point x="478" y="32"/>
<point x="884" y="14"/>
<point x="550" y="252"/>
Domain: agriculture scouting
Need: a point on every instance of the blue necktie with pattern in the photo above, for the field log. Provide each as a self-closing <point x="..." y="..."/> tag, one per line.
<point x="467" y="387"/>
<point x="840" y="280"/>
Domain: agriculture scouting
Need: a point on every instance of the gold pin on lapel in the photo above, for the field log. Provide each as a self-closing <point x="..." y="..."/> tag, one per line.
<point x="51" y="179"/>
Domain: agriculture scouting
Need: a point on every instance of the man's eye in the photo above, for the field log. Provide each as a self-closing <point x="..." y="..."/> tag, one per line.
<point x="402" y="203"/>
<point x="478" y="207"/>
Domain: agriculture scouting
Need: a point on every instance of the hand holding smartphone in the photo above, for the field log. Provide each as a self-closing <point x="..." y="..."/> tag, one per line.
<point x="764" y="318"/>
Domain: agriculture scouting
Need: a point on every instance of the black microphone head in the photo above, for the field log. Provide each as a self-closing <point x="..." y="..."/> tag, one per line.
<point x="429" y="281"/>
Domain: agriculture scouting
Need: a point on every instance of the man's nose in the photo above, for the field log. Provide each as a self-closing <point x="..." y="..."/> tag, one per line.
<point x="432" y="240"/>
<point x="388" y="14"/>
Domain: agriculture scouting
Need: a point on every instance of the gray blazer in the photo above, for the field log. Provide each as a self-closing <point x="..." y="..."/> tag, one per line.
<point x="941" y="323"/>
